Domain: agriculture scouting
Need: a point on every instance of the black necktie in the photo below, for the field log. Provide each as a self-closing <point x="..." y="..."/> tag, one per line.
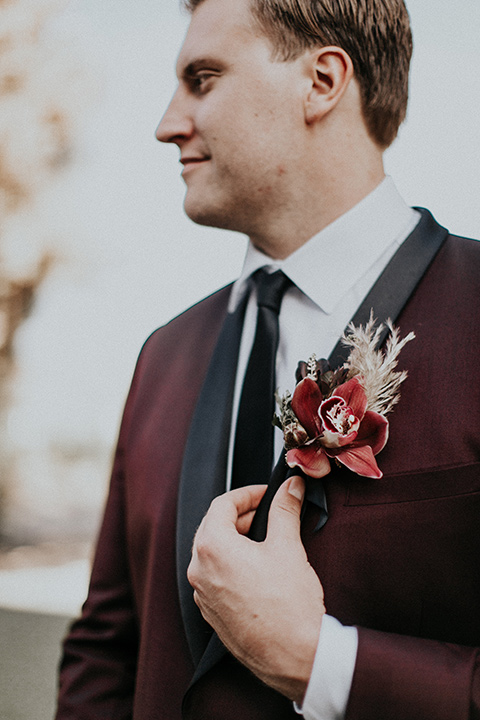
<point x="253" y="453"/>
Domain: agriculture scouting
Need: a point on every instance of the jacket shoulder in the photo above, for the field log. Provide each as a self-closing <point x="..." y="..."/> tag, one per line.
<point x="459" y="258"/>
<point x="186" y="341"/>
<point x="197" y="324"/>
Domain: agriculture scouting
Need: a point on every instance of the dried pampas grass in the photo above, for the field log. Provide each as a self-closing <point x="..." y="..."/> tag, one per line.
<point x="380" y="380"/>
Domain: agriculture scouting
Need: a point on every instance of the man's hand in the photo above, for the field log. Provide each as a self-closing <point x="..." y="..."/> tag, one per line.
<point x="264" y="600"/>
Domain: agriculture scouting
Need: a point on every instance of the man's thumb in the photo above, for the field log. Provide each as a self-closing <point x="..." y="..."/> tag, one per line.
<point x="284" y="515"/>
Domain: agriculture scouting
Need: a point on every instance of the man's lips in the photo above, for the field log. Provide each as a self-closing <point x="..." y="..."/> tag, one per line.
<point x="191" y="162"/>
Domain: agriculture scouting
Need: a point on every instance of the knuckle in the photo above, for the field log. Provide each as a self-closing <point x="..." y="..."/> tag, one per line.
<point x="216" y="503"/>
<point x="192" y="574"/>
<point x="203" y="547"/>
<point x="192" y="579"/>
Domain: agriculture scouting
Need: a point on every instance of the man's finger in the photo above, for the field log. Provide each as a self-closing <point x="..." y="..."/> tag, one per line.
<point x="284" y="515"/>
<point x="231" y="506"/>
<point x="244" y="522"/>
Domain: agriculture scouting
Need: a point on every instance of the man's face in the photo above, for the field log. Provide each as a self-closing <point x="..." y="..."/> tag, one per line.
<point x="236" y="117"/>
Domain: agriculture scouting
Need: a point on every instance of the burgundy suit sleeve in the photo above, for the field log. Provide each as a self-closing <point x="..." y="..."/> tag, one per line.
<point x="98" y="667"/>
<point x="399" y="678"/>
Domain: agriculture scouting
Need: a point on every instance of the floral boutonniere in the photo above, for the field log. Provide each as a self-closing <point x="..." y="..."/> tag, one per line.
<point x="341" y="415"/>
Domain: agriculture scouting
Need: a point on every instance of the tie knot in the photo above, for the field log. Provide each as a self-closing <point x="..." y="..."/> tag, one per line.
<point x="271" y="288"/>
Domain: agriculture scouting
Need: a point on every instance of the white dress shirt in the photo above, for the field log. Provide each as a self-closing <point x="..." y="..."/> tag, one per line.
<point x="332" y="273"/>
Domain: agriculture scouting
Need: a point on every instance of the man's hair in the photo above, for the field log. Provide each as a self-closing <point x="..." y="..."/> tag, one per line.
<point x="375" y="33"/>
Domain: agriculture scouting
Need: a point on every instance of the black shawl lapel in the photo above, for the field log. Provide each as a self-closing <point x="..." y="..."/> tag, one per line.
<point x="204" y="465"/>
<point x="388" y="297"/>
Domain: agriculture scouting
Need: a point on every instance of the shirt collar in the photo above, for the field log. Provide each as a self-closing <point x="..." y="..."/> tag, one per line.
<point x="334" y="260"/>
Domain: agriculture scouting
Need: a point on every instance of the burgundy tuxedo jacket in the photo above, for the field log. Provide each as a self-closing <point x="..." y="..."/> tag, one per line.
<point x="399" y="557"/>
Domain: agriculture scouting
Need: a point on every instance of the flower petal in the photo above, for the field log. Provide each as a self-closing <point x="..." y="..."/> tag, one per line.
<point x="338" y="419"/>
<point x="337" y="440"/>
<point x="354" y="395"/>
<point x="360" y="460"/>
<point x="373" y="431"/>
<point x="305" y="403"/>
<point x="311" y="459"/>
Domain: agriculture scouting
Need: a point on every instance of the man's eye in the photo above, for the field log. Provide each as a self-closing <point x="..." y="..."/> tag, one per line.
<point x="200" y="83"/>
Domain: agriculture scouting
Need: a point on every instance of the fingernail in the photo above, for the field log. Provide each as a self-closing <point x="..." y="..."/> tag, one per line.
<point x="296" y="487"/>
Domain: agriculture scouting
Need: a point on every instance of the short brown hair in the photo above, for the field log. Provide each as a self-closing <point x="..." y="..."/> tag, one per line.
<point x="375" y="33"/>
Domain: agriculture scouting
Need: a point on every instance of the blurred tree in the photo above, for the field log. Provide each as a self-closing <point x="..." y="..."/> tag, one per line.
<point x="37" y="85"/>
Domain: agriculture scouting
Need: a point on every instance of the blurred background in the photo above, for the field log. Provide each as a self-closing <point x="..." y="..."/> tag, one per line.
<point x="95" y="253"/>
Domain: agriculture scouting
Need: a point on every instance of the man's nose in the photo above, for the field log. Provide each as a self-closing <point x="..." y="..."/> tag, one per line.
<point x="176" y="123"/>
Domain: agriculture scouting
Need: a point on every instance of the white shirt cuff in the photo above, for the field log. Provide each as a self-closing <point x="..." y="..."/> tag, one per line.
<point x="332" y="673"/>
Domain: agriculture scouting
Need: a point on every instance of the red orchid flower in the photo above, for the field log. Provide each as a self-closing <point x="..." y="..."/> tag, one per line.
<point x="339" y="427"/>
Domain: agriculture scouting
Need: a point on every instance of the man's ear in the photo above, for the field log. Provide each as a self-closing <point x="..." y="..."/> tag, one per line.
<point x="330" y="71"/>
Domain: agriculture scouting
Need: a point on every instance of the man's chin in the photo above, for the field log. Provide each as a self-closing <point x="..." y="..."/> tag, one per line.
<point x="202" y="214"/>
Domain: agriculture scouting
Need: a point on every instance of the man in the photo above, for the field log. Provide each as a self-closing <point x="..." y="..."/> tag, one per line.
<point x="282" y="113"/>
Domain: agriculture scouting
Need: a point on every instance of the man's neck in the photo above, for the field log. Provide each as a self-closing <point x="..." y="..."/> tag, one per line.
<point x="293" y="227"/>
